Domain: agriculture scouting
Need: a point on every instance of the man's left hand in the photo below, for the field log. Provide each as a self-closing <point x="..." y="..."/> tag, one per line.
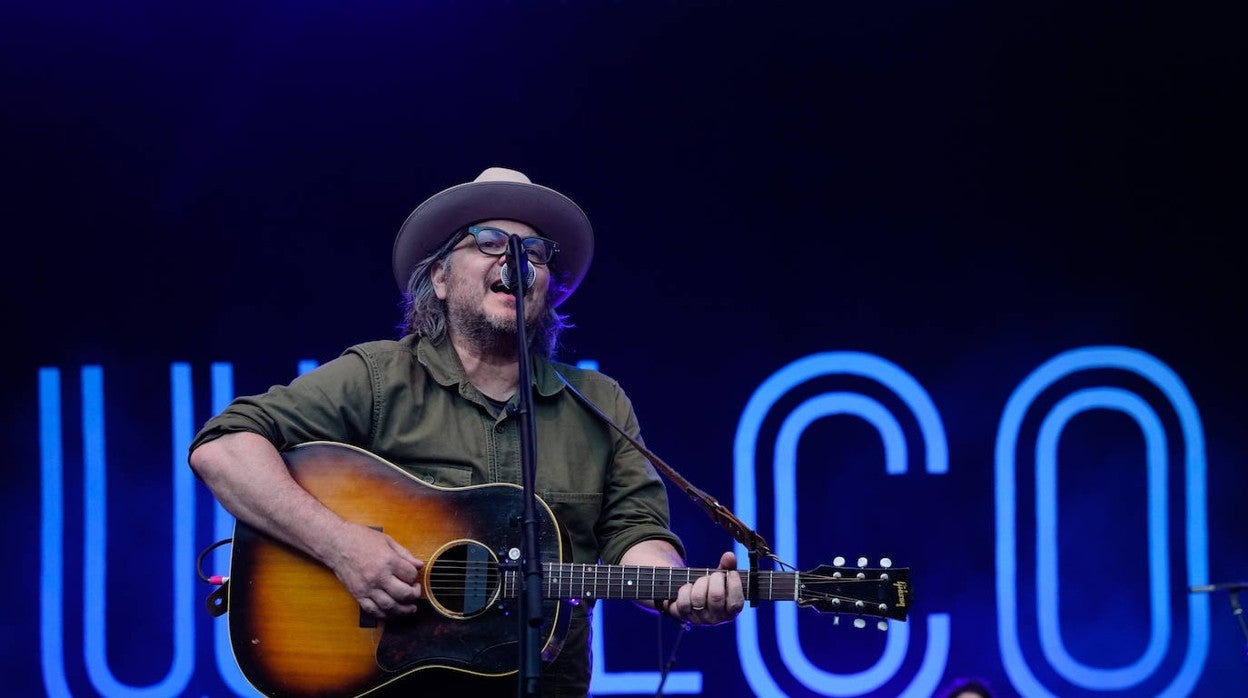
<point x="716" y="598"/>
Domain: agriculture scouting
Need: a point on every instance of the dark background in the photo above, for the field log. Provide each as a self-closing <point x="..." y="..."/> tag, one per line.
<point x="964" y="189"/>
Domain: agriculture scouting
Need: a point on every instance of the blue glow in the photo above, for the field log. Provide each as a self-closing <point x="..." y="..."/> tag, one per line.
<point x="95" y="558"/>
<point x="52" y="532"/>
<point x="1016" y="408"/>
<point x="590" y="364"/>
<point x="745" y="447"/>
<point x="935" y="657"/>
<point x="1048" y="578"/>
<point x="603" y="682"/>
<point x="786" y="496"/>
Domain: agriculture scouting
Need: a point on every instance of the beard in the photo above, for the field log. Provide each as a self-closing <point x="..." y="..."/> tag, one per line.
<point x="489" y="333"/>
<point x="492" y="335"/>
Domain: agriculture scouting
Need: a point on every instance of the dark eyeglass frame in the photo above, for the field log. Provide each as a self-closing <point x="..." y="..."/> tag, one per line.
<point x="540" y="250"/>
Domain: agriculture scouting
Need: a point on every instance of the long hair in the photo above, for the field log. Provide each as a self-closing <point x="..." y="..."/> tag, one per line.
<point x="424" y="314"/>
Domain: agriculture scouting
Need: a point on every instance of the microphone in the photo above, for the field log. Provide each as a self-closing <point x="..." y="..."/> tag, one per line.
<point x="508" y="282"/>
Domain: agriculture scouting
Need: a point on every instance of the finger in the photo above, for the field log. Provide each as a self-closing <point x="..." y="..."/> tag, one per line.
<point x="392" y="601"/>
<point x="405" y="553"/>
<point x="403" y="609"/>
<point x="406" y="571"/>
<point x="383" y="602"/>
<point x="736" y="592"/>
<point x="401" y="591"/>
<point x="370" y="608"/>
<point x="716" y="590"/>
<point x="684" y="601"/>
<point x="698" y="595"/>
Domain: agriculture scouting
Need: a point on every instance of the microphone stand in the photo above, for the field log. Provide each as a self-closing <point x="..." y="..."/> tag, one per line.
<point x="530" y="597"/>
<point x="1233" y="590"/>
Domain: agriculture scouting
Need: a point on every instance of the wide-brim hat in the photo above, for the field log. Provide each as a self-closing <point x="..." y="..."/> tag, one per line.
<point x="499" y="193"/>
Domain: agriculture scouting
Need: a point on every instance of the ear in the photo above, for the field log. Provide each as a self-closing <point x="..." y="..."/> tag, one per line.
<point x="438" y="276"/>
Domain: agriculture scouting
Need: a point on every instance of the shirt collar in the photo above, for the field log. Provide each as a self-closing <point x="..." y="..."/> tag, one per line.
<point x="444" y="366"/>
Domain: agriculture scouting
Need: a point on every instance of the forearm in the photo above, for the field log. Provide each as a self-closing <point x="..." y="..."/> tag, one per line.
<point x="652" y="553"/>
<point x="250" y="479"/>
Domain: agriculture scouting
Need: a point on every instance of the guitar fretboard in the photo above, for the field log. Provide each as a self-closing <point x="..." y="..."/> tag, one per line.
<point x="582" y="581"/>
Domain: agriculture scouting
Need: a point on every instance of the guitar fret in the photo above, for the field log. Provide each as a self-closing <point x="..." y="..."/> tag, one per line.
<point x="593" y="581"/>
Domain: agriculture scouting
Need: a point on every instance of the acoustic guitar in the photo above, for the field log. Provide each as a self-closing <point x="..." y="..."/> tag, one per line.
<point x="296" y="631"/>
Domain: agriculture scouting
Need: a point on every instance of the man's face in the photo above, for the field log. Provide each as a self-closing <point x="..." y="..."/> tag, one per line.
<point x="477" y="306"/>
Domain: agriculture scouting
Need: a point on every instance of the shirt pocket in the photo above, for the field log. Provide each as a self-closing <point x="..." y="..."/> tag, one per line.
<point x="577" y="515"/>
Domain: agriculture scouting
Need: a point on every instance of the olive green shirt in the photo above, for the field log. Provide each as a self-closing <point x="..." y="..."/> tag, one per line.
<point x="410" y="403"/>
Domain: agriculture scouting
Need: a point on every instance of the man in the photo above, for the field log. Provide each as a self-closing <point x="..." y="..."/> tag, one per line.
<point x="439" y="402"/>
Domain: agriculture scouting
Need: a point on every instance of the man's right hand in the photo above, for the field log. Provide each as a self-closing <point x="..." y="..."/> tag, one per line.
<point x="382" y="575"/>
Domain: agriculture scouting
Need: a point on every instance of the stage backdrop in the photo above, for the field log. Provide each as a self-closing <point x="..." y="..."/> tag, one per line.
<point x="953" y="284"/>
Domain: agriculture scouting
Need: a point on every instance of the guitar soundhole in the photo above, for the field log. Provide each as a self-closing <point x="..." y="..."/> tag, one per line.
<point x="462" y="579"/>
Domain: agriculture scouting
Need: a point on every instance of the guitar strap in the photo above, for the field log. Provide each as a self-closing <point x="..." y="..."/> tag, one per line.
<point x="753" y="542"/>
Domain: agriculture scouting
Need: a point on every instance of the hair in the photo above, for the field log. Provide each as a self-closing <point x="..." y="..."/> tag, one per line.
<point x="424" y="314"/>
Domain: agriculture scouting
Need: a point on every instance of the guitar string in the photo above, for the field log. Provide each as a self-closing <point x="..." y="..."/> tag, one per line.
<point x="446" y="579"/>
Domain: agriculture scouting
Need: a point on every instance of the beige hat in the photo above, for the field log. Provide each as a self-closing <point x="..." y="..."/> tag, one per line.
<point x="499" y="193"/>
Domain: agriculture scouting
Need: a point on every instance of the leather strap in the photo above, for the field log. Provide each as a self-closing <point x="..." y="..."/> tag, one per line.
<point x="743" y="534"/>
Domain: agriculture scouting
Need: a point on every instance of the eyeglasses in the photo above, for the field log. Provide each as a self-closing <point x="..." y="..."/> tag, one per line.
<point x="493" y="242"/>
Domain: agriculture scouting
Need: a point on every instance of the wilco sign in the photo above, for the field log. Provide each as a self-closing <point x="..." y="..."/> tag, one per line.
<point x="901" y="668"/>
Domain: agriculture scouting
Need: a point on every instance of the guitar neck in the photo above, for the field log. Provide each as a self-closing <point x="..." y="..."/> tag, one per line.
<point x="582" y="581"/>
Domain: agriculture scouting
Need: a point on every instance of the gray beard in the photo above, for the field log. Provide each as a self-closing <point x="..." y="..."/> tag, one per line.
<point x="492" y="336"/>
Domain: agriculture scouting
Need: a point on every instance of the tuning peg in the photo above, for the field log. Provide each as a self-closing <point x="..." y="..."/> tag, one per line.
<point x="882" y="625"/>
<point x="860" y="622"/>
<point x="886" y="562"/>
<point x="862" y="562"/>
<point x="838" y="561"/>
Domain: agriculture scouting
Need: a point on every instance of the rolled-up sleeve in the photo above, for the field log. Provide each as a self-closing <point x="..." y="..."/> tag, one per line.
<point x="334" y="402"/>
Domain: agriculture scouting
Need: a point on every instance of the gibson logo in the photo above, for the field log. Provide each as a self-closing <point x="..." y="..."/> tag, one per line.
<point x="902" y="589"/>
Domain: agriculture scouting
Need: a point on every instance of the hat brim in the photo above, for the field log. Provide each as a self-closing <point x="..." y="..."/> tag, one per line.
<point x="552" y="214"/>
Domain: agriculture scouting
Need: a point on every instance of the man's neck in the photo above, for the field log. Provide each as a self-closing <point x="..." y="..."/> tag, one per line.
<point x="492" y="370"/>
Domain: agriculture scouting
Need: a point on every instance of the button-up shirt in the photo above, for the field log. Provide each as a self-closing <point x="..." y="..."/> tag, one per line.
<point x="410" y="402"/>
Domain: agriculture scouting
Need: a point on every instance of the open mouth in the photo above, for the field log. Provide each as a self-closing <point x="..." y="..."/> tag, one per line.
<point x="498" y="287"/>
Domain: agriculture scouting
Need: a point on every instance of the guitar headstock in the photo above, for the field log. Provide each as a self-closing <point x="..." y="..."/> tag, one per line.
<point x="879" y="592"/>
